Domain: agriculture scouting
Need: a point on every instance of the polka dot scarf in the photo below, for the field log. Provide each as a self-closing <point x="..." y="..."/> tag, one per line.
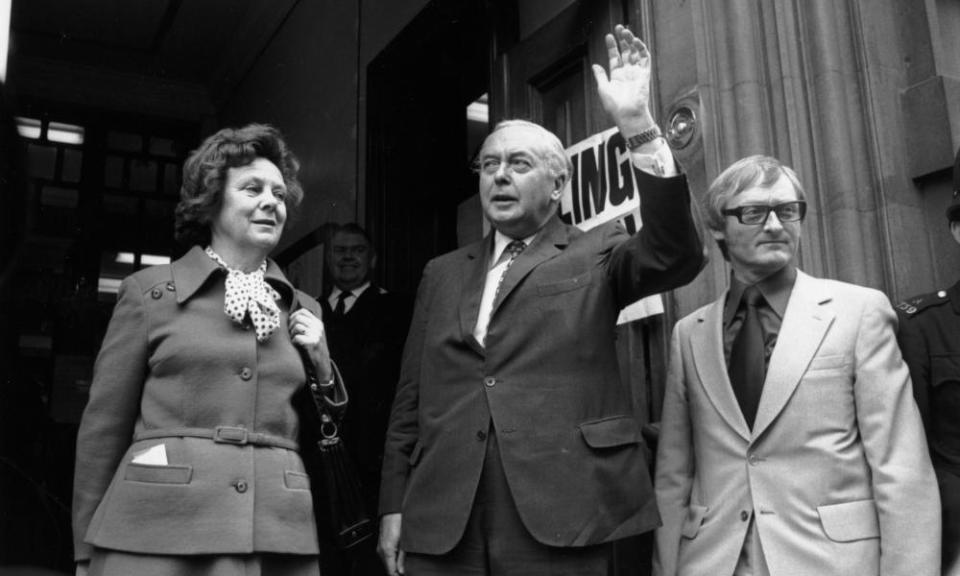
<point x="250" y="293"/>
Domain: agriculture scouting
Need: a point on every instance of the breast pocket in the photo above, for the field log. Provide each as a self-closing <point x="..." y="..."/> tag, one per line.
<point x="566" y="285"/>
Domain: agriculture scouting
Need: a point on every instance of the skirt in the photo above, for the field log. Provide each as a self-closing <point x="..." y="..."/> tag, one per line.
<point x="116" y="563"/>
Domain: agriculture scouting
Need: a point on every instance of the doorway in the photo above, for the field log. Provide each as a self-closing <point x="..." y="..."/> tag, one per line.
<point x="418" y="91"/>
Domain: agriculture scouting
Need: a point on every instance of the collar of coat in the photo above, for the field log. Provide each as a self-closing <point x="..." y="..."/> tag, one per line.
<point x="193" y="269"/>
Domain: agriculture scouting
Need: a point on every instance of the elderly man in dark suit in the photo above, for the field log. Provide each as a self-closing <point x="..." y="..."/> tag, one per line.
<point x="511" y="447"/>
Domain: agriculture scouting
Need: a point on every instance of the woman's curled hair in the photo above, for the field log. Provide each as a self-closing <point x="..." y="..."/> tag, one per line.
<point x="205" y="172"/>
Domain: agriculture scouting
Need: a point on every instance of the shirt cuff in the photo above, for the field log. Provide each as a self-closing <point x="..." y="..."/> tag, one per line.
<point x="655" y="159"/>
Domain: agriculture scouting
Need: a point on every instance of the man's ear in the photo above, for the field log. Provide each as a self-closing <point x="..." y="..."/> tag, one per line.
<point x="558" y="185"/>
<point x="373" y="261"/>
<point x="955" y="230"/>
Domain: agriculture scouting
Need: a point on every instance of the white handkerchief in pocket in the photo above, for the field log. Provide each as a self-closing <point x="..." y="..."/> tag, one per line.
<point x="154" y="456"/>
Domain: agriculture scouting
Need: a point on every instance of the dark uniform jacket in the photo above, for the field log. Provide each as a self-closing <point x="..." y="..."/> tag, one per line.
<point x="930" y="340"/>
<point x="172" y="363"/>
<point x="548" y="381"/>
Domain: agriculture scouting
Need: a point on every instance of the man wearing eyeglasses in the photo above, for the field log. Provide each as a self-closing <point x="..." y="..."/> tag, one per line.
<point x="512" y="448"/>
<point x="790" y="442"/>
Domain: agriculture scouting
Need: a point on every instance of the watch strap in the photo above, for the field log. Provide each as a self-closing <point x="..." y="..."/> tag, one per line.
<point x="645" y="137"/>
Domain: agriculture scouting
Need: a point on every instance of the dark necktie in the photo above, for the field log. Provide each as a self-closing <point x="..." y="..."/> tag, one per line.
<point x="341" y="308"/>
<point x="747" y="357"/>
<point x="512" y="250"/>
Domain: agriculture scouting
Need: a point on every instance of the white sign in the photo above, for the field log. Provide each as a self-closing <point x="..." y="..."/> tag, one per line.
<point x="601" y="189"/>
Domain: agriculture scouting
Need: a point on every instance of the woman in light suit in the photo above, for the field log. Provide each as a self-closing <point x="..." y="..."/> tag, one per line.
<point x="187" y="455"/>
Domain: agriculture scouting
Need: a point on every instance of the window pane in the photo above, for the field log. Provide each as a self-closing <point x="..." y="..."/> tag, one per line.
<point x="124" y="141"/>
<point x="113" y="174"/>
<point x="162" y="147"/>
<point x="65" y="133"/>
<point x="72" y="162"/>
<point x="43" y="161"/>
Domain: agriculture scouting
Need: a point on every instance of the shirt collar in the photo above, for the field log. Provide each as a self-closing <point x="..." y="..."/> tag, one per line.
<point x="193" y="269"/>
<point x="356" y="292"/>
<point x="500" y="242"/>
<point x="776" y="290"/>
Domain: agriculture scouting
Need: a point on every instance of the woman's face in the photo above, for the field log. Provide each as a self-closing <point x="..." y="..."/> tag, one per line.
<point x="252" y="211"/>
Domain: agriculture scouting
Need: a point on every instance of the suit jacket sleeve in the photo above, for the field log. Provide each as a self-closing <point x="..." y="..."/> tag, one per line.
<point x="667" y="252"/>
<point x="905" y="488"/>
<point x="675" y="464"/>
<point x="106" y="429"/>
<point x="403" y="430"/>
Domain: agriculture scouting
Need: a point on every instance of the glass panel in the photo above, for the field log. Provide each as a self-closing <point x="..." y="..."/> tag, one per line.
<point x="59" y="197"/>
<point x="29" y="127"/>
<point x="124" y="141"/>
<point x="65" y="133"/>
<point x="143" y="175"/>
<point x="72" y="162"/>
<point x="43" y="161"/>
<point x="113" y="175"/>
<point x="162" y="147"/>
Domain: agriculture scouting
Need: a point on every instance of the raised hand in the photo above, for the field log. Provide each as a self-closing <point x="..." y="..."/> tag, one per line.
<point x="625" y="94"/>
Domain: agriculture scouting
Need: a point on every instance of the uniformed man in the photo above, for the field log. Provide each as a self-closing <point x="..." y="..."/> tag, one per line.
<point x="930" y="340"/>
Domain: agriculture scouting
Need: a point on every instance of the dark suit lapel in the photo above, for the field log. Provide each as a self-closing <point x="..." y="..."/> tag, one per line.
<point x="805" y="324"/>
<point x="473" y="276"/>
<point x="706" y="341"/>
<point x="546" y="245"/>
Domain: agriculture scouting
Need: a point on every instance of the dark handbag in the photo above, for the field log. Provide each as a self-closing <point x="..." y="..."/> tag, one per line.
<point x="332" y="470"/>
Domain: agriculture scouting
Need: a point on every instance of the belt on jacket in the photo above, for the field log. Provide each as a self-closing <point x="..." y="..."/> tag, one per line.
<point x="221" y="434"/>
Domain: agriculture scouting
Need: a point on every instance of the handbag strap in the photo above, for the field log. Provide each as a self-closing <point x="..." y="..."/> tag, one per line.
<point x="329" y="399"/>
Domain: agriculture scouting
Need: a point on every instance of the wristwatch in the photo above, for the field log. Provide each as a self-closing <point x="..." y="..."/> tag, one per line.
<point x="645" y="137"/>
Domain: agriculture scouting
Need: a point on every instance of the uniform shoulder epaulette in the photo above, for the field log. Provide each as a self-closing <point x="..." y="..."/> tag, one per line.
<point x="912" y="306"/>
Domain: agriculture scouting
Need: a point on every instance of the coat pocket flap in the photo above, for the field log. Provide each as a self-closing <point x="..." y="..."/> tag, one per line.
<point x="296" y="480"/>
<point x="611" y="432"/>
<point x="944" y="369"/>
<point x="158" y="474"/>
<point x="831" y="362"/>
<point x="415" y="455"/>
<point x="693" y="521"/>
<point x="850" y="521"/>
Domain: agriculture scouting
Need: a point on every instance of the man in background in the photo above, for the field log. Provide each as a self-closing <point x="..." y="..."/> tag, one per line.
<point x="930" y="340"/>
<point x="366" y="327"/>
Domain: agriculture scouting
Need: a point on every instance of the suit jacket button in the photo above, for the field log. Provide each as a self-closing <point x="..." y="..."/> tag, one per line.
<point x="241" y="486"/>
<point x="490" y="382"/>
<point x="753" y="459"/>
<point x="481" y="435"/>
<point x="156" y="293"/>
<point x="744" y="515"/>
<point x="246" y="373"/>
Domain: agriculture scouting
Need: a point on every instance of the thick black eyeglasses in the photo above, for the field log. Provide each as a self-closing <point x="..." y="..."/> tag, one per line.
<point x="757" y="214"/>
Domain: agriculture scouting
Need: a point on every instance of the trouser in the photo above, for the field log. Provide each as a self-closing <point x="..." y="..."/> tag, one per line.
<point x="496" y="543"/>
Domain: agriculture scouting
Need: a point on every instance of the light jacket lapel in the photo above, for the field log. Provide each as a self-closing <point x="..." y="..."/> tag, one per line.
<point x="473" y="275"/>
<point x="706" y="340"/>
<point x="805" y="324"/>
<point x="546" y="245"/>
